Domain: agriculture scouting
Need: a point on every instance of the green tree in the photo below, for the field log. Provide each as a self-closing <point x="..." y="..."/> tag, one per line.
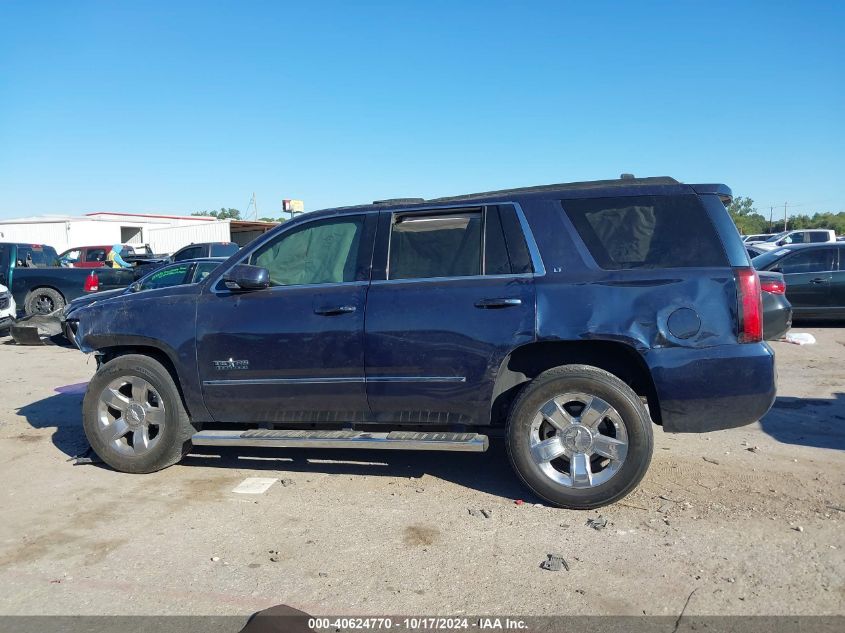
<point x="222" y="214"/>
<point x="745" y="216"/>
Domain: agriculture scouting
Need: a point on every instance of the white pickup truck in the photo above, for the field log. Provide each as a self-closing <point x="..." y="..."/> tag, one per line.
<point x="7" y="308"/>
<point x="799" y="236"/>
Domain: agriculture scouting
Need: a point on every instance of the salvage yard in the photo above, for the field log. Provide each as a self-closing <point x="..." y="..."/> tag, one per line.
<point x="745" y="521"/>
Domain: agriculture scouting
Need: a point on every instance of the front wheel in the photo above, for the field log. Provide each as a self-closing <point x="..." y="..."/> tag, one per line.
<point x="579" y="437"/>
<point x="133" y="415"/>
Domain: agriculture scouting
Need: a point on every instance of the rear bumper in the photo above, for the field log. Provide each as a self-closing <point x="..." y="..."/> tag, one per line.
<point x="713" y="388"/>
<point x="777" y="316"/>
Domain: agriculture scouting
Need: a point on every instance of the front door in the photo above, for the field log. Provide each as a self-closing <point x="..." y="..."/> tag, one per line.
<point x="293" y="352"/>
<point x="447" y="309"/>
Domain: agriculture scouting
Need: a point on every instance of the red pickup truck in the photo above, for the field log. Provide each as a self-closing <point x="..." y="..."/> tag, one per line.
<point x="89" y="256"/>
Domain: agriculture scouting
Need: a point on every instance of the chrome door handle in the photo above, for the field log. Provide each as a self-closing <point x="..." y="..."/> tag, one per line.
<point x="334" y="310"/>
<point x="819" y="280"/>
<point x="503" y="302"/>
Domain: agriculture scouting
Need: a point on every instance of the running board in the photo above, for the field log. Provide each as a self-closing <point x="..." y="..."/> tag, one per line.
<point x="396" y="440"/>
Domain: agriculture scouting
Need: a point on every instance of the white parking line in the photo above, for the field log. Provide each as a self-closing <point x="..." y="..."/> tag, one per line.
<point x="254" y="485"/>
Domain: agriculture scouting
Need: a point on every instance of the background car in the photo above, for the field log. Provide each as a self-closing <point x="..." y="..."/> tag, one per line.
<point x="803" y="236"/>
<point x="815" y="279"/>
<point x="205" y="249"/>
<point x="185" y="272"/>
<point x="756" y="238"/>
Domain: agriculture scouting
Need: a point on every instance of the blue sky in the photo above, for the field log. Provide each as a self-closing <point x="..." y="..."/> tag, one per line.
<point x="173" y="107"/>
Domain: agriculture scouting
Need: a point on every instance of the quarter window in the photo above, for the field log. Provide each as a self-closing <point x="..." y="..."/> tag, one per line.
<point x="441" y="245"/>
<point x="321" y="252"/>
<point x="647" y="232"/>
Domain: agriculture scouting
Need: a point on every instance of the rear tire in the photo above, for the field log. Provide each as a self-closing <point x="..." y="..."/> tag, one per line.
<point x="43" y="301"/>
<point x="133" y="415"/>
<point x="579" y="437"/>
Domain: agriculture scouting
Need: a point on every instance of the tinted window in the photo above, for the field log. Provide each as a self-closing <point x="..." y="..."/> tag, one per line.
<point x="818" y="236"/>
<point x="809" y="261"/>
<point x="189" y="253"/>
<point x="496" y="261"/>
<point x="98" y="255"/>
<point x="202" y="269"/>
<point x="442" y="245"/>
<point x="166" y="277"/>
<point x="647" y="232"/>
<point x="515" y="238"/>
<point x="41" y="256"/>
<point x="223" y="250"/>
<point x="318" y="253"/>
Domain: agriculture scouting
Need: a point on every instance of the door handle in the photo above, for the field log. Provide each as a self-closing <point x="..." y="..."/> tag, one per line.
<point x="819" y="280"/>
<point x="504" y="302"/>
<point x="334" y="310"/>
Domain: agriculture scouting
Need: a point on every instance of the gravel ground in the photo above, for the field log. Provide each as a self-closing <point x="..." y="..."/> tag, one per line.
<point x="745" y="521"/>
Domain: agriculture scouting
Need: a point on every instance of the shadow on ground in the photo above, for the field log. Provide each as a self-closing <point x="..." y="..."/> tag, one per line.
<point x="817" y="422"/>
<point x="488" y="472"/>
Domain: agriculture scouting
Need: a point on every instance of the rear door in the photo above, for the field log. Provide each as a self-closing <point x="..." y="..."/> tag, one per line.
<point x="452" y="294"/>
<point x="808" y="274"/>
<point x="837" y="283"/>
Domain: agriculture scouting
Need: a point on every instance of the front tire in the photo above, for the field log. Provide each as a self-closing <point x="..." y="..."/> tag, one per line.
<point x="579" y="437"/>
<point x="133" y="415"/>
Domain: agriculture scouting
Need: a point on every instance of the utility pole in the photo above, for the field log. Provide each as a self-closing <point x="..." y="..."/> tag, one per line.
<point x="771" y="222"/>
<point x="784" y="216"/>
<point x="255" y="205"/>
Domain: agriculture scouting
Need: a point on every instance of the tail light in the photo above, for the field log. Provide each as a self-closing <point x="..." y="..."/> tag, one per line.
<point x="774" y="286"/>
<point x="750" y="304"/>
<point x="92" y="283"/>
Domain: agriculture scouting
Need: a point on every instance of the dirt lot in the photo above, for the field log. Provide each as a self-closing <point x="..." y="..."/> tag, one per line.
<point x="747" y="521"/>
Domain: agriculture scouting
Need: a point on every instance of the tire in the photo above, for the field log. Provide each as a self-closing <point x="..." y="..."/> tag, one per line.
<point x="155" y="431"/>
<point x="579" y="478"/>
<point x="43" y="301"/>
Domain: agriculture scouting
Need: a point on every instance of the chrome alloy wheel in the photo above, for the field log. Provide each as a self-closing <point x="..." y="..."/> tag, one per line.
<point x="578" y="440"/>
<point x="130" y="415"/>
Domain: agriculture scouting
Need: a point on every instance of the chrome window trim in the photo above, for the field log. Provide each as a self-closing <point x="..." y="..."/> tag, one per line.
<point x="381" y="282"/>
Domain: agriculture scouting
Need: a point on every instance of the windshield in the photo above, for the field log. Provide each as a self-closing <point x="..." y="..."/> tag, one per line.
<point x="775" y="238"/>
<point x="761" y="262"/>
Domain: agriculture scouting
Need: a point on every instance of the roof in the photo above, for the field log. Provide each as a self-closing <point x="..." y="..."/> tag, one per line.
<point x="591" y="188"/>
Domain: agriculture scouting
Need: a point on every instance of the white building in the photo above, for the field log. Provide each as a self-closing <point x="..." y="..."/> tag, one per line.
<point x="164" y="233"/>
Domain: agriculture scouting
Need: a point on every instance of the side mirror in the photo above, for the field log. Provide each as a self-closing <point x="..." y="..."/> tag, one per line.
<point x="777" y="269"/>
<point x="246" y="277"/>
<point x="135" y="286"/>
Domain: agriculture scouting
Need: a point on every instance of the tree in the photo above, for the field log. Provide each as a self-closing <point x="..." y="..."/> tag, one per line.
<point x="745" y="216"/>
<point x="279" y="220"/>
<point x="222" y="214"/>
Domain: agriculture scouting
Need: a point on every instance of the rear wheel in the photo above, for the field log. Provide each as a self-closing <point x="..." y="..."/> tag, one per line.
<point x="133" y="415"/>
<point x="43" y="301"/>
<point x="579" y="437"/>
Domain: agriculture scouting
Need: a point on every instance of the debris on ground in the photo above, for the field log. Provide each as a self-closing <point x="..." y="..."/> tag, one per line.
<point x="214" y="559"/>
<point x="753" y="449"/>
<point x="800" y="338"/>
<point x="665" y="507"/>
<point x="323" y="574"/>
<point x="710" y="460"/>
<point x="274" y="555"/>
<point x="86" y="457"/>
<point x="597" y="523"/>
<point x="482" y="513"/>
<point x="287" y="482"/>
<point x="554" y="562"/>
<point x="798" y="528"/>
<point x="518" y="502"/>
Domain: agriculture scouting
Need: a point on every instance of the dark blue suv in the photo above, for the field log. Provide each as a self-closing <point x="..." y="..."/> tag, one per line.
<point x="568" y="318"/>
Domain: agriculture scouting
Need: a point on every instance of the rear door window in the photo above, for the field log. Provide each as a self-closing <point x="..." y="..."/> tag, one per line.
<point x="818" y="236"/>
<point x="647" y="232"/>
<point x="224" y="249"/>
<point x="437" y="245"/>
